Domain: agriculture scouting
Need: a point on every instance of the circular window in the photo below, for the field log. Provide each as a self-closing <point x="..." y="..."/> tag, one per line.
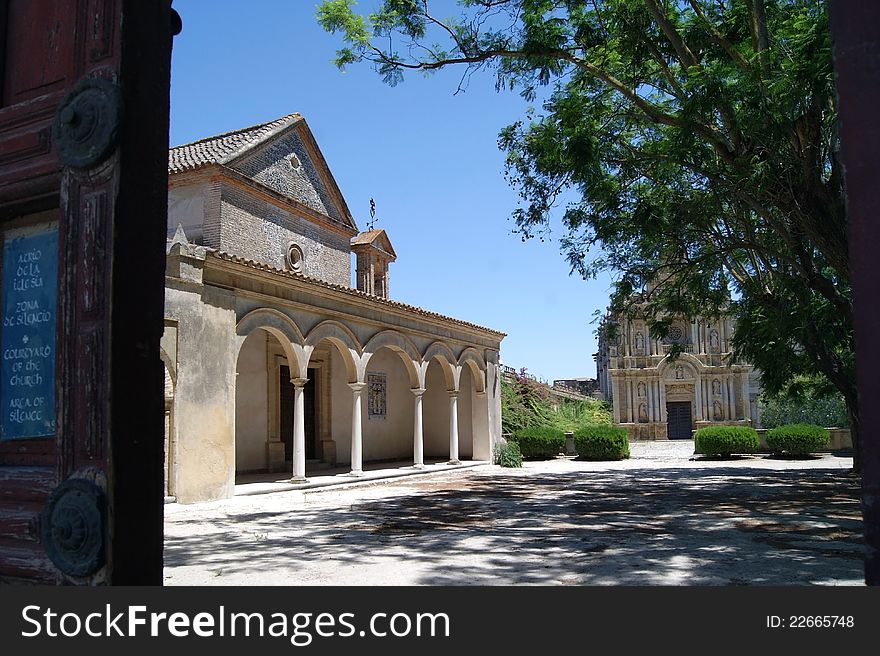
<point x="675" y="334"/>
<point x="294" y="162"/>
<point x="294" y="258"/>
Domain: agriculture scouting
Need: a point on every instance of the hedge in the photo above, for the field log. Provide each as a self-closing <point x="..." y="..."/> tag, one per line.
<point x="507" y="454"/>
<point x="797" y="439"/>
<point x="601" y="443"/>
<point x="540" y="441"/>
<point x="726" y="440"/>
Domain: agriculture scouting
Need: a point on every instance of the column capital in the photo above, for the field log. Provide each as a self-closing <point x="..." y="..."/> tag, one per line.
<point x="299" y="382"/>
<point x="480" y="394"/>
<point x="357" y="387"/>
<point x="453" y="394"/>
<point x="417" y="391"/>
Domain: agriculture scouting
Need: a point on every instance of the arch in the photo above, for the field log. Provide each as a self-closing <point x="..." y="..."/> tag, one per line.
<point x="170" y="370"/>
<point x="170" y="445"/>
<point x="687" y="360"/>
<point x="343" y="339"/>
<point x="400" y="344"/>
<point x="280" y="326"/>
<point x="474" y="361"/>
<point x="445" y="358"/>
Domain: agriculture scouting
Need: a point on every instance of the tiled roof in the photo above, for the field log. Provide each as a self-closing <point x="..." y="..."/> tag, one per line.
<point x="260" y="266"/>
<point x="223" y="148"/>
<point x="367" y="237"/>
<point x="371" y="237"/>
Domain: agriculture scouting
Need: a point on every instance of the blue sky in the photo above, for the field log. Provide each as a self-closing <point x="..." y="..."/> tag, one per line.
<point x="429" y="159"/>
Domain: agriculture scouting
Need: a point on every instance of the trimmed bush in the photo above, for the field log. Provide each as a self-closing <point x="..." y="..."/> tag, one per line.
<point x="797" y="439"/>
<point x="601" y="443"/>
<point x="726" y="440"/>
<point x="507" y="454"/>
<point x="540" y="441"/>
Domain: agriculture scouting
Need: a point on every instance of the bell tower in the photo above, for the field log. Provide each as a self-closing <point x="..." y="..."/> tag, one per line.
<point x="374" y="254"/>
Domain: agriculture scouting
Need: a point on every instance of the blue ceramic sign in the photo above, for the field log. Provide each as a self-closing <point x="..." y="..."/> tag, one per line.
<point x="27" y="389"/>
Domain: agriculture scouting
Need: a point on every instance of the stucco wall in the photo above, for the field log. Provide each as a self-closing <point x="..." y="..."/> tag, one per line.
<point x="465" y="416"/>
<point x="251" y="404"/>
<point x="382" y="439"/>
<point x="391" y="437"/>
<point x="340" y="408"/>
<point x="260" y="231"/>
<point x="204" y="404"/>
<point x="435" y="413"/>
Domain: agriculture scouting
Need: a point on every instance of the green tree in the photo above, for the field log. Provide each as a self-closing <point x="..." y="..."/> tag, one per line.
<point x="698" y="138"/>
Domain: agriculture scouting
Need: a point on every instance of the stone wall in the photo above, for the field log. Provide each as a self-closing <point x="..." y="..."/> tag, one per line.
<point x="274" y="165"/>
<point x="258" y="230"/>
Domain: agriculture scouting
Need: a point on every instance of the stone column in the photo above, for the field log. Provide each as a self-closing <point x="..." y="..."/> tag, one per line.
<point x="747" y="407"/>
<point x="616" y="397"/>
<point x="698" y="396"/>
<point x="726" y="398"/>
<point x="656" y="391"/>
<point x="418" y="439"/>
<point x="663" y="418"/>
<point x="299" y="431"/>
<point x="707" y="400"/>
<point x="357" y="465"/>
<point x="453" y="428"/>
<point x="629" y="400"/>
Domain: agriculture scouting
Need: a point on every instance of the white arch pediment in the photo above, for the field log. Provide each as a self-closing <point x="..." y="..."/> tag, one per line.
<point x="267" y="318"/>
<point x="343" y="339"/>
<point x="280" y="326"/>
<point x="473" y="360"/>
<point x="441" y="352"/>
<point x="403" y="347"/>
<point x="691" y="367"/>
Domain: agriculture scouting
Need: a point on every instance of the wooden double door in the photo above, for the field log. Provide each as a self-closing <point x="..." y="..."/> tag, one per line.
<point x="679" y="420"/>
<point x="84" y="95"/>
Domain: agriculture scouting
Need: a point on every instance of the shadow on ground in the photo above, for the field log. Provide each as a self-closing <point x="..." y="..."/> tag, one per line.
<point x="720" y="526"/>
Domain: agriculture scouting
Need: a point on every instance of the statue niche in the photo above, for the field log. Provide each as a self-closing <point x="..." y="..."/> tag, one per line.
<point x="643" y="412"/>
<point x="640" y="341"/>
<point x="717" y="412"/>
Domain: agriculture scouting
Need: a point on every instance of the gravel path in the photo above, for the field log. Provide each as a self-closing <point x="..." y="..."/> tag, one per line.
<point x="659" y="518"/>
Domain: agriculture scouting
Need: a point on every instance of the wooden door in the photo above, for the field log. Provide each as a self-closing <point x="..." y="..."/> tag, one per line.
<point x="679" y="421"/>
<point x="84" y="92"/>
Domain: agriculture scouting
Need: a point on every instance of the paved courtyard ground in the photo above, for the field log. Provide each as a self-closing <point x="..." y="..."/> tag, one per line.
<point x="659" y="518"/>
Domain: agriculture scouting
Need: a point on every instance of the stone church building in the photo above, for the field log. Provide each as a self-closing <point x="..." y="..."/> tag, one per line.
<point x="274" y="362"/>
<point x="657" y="397"/>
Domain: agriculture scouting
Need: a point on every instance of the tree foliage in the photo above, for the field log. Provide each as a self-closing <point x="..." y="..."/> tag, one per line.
<point x="698" y="137"/>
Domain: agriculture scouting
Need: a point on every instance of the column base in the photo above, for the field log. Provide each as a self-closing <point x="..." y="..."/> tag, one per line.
<point x="416" y="466"/>
<point x="298" y="479"/>
<point x="356" y="472"/>
<point x="454" y="462"/>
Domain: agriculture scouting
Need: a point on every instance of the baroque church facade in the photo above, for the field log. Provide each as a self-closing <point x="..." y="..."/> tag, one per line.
<point x="658" y="396"/>
<point x="273" y="361"/>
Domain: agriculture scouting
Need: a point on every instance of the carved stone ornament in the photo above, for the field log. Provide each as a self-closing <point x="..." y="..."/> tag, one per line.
<point x="87" y="124"/>
<point x="73" y="527"/>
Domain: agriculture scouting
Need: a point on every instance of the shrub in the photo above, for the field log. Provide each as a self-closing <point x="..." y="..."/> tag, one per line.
<point x="601" y="443"/>
<point x="726" y="440"/>
<point x="797" y="439"/>
<point x="526" y="403"/>
<point x="540" y="441"/>
<point x="507" y="454"/>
